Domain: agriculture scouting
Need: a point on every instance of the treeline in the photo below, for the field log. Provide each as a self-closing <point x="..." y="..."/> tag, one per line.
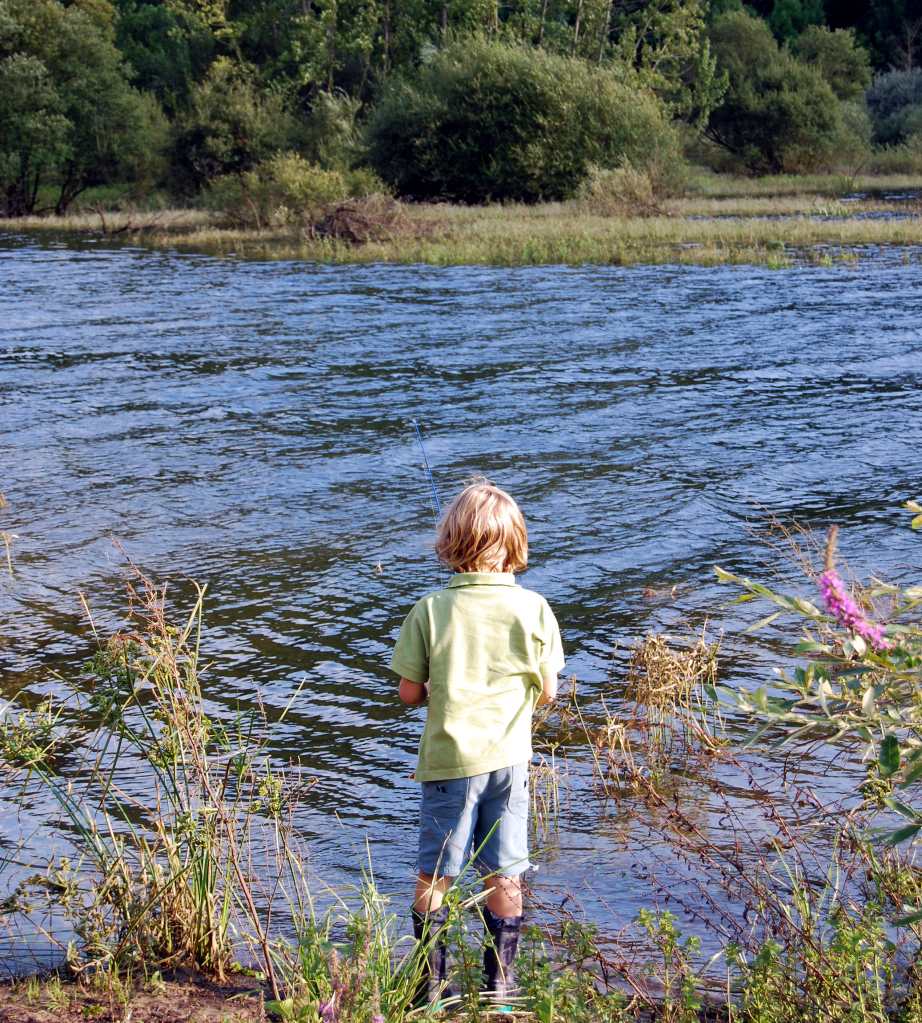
<point x="260" y="106"/>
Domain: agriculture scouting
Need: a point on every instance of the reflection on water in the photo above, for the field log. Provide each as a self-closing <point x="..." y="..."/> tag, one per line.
<point x="248" y="425"/>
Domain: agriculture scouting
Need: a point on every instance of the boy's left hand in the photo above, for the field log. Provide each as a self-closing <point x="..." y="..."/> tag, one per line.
<point x="413" y="694"/>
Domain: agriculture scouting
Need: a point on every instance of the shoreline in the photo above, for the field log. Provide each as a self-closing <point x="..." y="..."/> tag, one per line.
<point x="774" y="223"/>
<point x="181" y="997"/>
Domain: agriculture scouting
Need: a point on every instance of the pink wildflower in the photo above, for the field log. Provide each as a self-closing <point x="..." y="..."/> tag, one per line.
<point x="327" y="1010"/>
<point x="843" y="607"/>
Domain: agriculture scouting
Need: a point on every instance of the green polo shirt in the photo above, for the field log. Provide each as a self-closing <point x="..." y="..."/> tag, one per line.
<point x="483" y="644"/>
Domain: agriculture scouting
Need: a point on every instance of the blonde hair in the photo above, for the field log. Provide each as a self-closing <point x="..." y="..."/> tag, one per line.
<point x="483" y="528"/>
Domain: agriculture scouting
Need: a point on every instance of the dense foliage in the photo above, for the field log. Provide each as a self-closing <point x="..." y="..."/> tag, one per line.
<point x="895" y="102"/>
<point x="779" y="114"/>
<point x="176" y="94"/>
<point x="67" y="109"/>
<point x="488" y="120"/>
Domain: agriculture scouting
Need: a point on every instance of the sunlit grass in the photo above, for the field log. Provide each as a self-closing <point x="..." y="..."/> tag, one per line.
<point x="707" y="183"/>
<point x="723" y="220"/>
<point x="518" y="235"/>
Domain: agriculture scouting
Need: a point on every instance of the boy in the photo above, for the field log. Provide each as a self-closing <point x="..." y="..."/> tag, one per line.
<point x="483" y="652"/>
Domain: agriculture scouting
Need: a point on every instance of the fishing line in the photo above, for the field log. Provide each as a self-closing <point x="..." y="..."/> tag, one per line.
<point x="436" y="503"/>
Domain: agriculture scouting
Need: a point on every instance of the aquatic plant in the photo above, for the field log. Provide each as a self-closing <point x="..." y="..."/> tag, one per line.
<point x="165" y="873"/>
<point x="857" y="683"/>
<point x="668" y="685"/>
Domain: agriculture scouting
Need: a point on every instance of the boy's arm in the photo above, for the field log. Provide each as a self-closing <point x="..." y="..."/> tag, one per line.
<point x="548" y="689"/>
<point x="410" y="659"/>
<point x="413" y="694"/>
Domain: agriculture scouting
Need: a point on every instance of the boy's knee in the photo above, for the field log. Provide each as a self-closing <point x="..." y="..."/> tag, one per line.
<point x="430" y="891"/>
<point x="504" y="896"/>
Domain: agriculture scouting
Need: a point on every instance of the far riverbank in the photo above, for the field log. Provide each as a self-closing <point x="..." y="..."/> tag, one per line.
<point x="773" y="221"/>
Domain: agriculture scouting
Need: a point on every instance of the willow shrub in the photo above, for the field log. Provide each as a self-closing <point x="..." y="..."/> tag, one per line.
<point x="284" y="190"/>
<point x="895" y="104"/>
<point x="779" y="115"/>
<point x="484" y="121"/>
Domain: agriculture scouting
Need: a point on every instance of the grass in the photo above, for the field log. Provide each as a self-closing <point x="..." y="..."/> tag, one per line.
<point x="668" y="686"/>
<point x="723" y="220"/>
<point x="728" y="186"/>
<point x="182" y="882"/>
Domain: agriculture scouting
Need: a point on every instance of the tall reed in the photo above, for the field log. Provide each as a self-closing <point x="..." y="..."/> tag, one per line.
<point x="168" y="870"/>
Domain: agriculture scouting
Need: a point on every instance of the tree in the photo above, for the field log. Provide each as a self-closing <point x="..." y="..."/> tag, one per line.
<point x="839" y="58"/>
<point x="667" y="42"/>
<point x="778" y="114"/>
<point x="33" y="131"/>
<point x="231" y="126"/>
<point x="167" y="48"/>
<point x="894" y="28"/>
<point x="790" y="17"/>
<point x="96" y="122"/>
<point x="485" y="120"/>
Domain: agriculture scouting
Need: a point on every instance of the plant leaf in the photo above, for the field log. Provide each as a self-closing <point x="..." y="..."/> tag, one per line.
<point x="763" y="622"/>
<point x="868" y="704"/>
<point x="889" y="760"/>
<point x="902" y="834"/>
<point x="901" y="808"/>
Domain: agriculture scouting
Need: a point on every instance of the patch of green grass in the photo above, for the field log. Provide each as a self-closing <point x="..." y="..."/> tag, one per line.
<point x="718" y="186"/>
<point x="724" y="220"/>
<point x="556" y="234"/>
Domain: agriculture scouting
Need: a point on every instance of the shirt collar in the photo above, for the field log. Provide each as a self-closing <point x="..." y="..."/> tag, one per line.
<point x="482" y="579"/>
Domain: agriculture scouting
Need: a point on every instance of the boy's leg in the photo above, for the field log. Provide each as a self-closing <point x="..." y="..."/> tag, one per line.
<point x="428" y="929"/>
<point x="430" y="892"/>
<point x="502" y="835"/>
<point x="505" y="895"/>
<point x="446" y="828"/>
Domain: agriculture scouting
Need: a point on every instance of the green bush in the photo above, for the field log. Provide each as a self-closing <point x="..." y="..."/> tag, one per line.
<point x="485" y="121"/>
<point x="894" y="101"/>
<point x="285" y="189"/>
<point x="779" y="114"/>
<point x="230" y="127"/>
<point x="329" y="135"/>
<point x="839" y="58"/>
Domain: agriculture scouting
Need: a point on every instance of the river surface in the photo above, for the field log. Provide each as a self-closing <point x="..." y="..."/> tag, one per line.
<point x="248" y="425"/>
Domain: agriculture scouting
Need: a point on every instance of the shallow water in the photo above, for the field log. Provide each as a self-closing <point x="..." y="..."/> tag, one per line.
<point x="247" y="424"/>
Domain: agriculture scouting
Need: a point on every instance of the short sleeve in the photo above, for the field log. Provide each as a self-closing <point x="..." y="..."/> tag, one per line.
<point x="410" y="658"/>
<point x="551" y="659"/>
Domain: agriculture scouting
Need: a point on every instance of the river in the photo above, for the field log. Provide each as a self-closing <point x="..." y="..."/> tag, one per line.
<point x="248" y="425"/>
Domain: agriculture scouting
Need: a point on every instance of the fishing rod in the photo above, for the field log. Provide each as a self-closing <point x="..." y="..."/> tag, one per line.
<point x="436" y="503"/>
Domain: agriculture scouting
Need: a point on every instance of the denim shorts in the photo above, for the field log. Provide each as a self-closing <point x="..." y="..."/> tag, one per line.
<point x="484" y="816"/>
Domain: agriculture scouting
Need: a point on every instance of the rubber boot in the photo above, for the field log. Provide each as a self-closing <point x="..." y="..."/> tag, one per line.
<point x="499" y="957"/>
<point x="433" y="981"/>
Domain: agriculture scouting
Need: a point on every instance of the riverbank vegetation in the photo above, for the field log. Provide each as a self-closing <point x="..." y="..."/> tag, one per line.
<point x="267" y="118"/>
<point x="177" y="855"/>
<point x="776" y="226"/>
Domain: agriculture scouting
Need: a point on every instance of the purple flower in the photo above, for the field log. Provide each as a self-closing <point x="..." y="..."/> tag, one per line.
<point x="843" y="607"/>
<point x="327" y="1010"/>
